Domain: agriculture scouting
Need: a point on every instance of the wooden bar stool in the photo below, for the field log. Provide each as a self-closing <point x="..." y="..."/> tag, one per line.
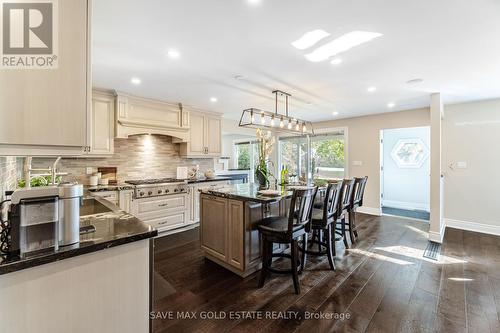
<point x="359" y="192"/>
<point x="323" y="223"/>
<point x="345" y="206"/>
<point x="287" y="230"/>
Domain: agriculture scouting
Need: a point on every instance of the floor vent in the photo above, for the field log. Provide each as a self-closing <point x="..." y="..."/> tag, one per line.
<point x="432" y="250"/>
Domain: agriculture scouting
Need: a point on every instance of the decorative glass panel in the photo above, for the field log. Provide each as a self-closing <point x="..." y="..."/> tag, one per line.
<point x="410" y="153"/>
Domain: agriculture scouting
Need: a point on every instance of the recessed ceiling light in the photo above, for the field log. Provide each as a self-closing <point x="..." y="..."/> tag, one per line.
<point x="135" y="80"/>
<point x="371" y="89"/>
<point x="335" y="113"/>
<point x="390" y="105"/>
<point x="341" y="44"/>
<point x="213" y="99"/>
<point x="173" y="54"/>
<point x="336" y="61"/>
<point x="414" y="81"/>
<point x="309" y="39"/>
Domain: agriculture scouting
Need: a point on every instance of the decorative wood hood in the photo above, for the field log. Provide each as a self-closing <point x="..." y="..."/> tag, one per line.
<point x="137" y="115"/>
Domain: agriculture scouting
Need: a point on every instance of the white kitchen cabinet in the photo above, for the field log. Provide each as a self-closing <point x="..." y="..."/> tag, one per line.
<point x="102" y="123"/>
<point x="163" y="212"/>
<point x="204" y="136"/>
<point x="46" y="111"/>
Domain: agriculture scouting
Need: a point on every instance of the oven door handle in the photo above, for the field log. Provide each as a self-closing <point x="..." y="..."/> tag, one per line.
<point x="163" y="205"/>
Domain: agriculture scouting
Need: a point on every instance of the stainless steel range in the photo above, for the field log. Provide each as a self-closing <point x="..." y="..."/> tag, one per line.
<point x="146" y="188"/>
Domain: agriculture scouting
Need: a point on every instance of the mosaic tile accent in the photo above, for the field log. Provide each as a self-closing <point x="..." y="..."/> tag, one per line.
<point x="138" y="157"/>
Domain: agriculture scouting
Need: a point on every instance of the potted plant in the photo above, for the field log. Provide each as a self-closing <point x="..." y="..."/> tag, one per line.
<point x="262" y="171"/>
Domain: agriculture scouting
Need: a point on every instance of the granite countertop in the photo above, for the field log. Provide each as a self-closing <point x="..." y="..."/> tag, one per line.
<point x="204" y="180"/>
<point x="112" y="228"/>
<point x="247" y="192"/>
<point x="102" y="188"/>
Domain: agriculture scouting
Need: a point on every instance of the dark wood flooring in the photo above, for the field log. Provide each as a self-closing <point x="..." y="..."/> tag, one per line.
<point x="382" y="284"/>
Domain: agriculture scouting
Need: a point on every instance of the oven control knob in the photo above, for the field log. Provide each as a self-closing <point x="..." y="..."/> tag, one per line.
<point x="150" y="192"/>
<point x="166" y="191"/>
<point x="176" y="190"/>
<point x="159" y="191"/>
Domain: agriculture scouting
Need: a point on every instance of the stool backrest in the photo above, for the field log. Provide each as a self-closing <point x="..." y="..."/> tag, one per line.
<point x="348" y="193"/>
<point x="332" y="203"/>
<point x="301" y="207"/>
<point x="360" y="191"/>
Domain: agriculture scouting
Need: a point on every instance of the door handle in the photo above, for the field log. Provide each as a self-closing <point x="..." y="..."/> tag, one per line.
<point x="163" y="205"/>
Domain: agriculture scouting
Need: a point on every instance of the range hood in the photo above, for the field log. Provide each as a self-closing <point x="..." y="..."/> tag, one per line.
<point x="136" y="115"/>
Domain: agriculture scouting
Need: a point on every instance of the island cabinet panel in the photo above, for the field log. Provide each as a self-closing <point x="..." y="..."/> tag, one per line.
<point x="214" y="226"/>
<point x="235" y="224"/>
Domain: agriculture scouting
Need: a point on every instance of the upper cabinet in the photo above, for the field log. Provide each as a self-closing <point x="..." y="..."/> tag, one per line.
<point x="102" y="123"/>
<point x="137" y="115"/>
<point x="45" y="111"/>
<point x="204" y="136"/>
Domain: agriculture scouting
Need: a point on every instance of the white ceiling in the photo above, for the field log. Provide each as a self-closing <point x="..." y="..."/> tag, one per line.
<point x="452" y="44"/>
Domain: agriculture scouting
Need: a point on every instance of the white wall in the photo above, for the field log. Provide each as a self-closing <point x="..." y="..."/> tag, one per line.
<point x="406" y="188"/>
<point x="471" y="134"/>
<point x="363" y="135"/>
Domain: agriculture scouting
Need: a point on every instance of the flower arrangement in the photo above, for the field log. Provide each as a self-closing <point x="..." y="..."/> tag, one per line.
<point x="262" y="171"/>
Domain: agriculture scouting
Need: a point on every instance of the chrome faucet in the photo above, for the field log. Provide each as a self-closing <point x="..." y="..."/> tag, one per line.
<point x="50" y="171"/>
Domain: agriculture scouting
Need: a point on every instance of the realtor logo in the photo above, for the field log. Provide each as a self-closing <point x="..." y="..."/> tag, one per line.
<point x="29" y="34"/>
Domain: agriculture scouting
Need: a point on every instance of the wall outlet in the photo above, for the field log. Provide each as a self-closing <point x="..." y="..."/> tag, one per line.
<point x="89" y="170"/>
<point x="461" y="165"/>
<point x="357" y="163"/>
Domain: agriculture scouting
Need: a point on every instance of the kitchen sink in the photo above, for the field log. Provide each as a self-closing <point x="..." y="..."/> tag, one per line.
<point x="91" y="206"/>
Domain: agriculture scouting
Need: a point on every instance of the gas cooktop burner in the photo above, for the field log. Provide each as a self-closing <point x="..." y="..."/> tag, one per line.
<point x="154" y="181"/>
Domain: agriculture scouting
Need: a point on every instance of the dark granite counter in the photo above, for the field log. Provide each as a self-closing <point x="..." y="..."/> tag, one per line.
<point x="205" y="180"/>
<point x="105" y="230"/>
<point x="248" y="192"/>
<point x="102" y="188"/>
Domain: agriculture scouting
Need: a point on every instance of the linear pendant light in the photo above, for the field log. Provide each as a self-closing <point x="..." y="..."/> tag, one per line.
<point x="256" y="118"/>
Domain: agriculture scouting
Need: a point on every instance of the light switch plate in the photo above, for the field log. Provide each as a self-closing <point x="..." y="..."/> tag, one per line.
<point x="357" y="163"/>
<point x="461" y="165"/>
<point x="89" y="170"/>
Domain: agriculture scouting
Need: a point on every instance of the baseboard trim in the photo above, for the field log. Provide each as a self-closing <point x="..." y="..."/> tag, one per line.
<point x="405" y="205"/>
<point x="473" y="226"/>
<point x="369" y="210"/>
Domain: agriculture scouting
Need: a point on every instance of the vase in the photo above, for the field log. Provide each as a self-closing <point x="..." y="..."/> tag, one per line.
<point x="262" y="180"/>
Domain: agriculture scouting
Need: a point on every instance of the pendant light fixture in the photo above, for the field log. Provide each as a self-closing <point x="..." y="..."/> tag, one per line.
<point x="281" y="122"/>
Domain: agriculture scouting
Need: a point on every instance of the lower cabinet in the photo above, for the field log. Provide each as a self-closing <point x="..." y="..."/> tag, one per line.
<point x="222" y="229"/>
<point x="125" y="200"/>
<point x="194" y="197"/>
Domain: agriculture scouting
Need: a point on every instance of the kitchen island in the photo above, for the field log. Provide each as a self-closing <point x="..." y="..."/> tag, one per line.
<point x="228" y="224"/>
<point x="101" y="284"/>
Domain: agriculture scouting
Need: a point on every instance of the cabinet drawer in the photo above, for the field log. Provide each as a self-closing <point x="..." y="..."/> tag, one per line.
<point x="169" y="221"/>
<point x="111" y="196"/>
<point x="163" y="203"/>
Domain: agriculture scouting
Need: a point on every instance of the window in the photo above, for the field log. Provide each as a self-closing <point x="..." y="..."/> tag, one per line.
<point x="243" y="155"/>
<point x="321" y="156"/>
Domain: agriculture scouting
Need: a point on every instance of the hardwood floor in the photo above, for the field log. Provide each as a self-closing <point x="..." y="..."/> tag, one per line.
<point x="382" y="284"/>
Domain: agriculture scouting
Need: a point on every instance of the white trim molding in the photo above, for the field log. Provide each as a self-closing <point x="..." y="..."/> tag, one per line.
<point x="438" y="237"/>
<point x="369" y="210"/>
<point x="473" y="226"/>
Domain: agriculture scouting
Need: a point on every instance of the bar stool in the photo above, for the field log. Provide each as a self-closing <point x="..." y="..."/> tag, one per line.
<point x="323" y="222"/>
<point x="359" y="192"/>
<point x="287" y="230"/>
<point x="345" y="206"/>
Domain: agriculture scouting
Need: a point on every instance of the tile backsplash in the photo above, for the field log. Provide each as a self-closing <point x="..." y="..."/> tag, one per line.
<point x="8" y="174"/>
<point x="138" y="157"/>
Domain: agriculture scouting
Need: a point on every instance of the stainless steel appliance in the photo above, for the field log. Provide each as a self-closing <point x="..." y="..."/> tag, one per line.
<point x="146" y="188"/>
<point x="70" y="200"/>
<point x="162" y="203"/>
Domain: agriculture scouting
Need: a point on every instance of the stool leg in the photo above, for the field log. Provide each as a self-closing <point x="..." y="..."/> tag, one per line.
<point x="344" y="235"/>
<point x="351" y="228"/>
<point x="320" y="239"/>
<point x="354" y="223"/>
<point x="329" y="247"/>
<point x="265" y="262"/>
<point x="304" y="254"/>
<point x="332" y="237"/>
<point x="295" y="275"/>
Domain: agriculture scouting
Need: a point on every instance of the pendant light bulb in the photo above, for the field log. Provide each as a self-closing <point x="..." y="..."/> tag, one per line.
<point x="297" y="127"/>
<point x="272" y="121"/>
<point x="262" y="118"/>
<point x="304" y="128"/>
<point x="282" y="124"/>
<point x="252" y="117"/>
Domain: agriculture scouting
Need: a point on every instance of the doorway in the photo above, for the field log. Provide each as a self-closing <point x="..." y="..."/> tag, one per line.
<point x="405" y="172"/>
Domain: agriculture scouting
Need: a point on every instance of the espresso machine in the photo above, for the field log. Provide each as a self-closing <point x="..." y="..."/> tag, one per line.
<point x="43" y="218"/>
